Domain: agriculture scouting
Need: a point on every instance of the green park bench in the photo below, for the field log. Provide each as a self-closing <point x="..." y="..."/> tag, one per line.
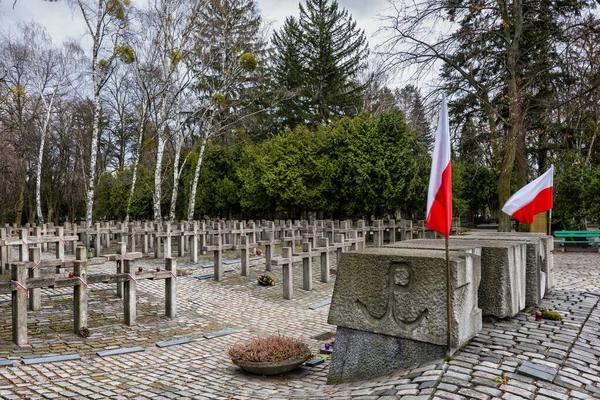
<point x="577" y="237"/>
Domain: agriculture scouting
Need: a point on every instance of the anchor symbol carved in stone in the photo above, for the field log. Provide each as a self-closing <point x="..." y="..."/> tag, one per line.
<point x="399" y="279"/>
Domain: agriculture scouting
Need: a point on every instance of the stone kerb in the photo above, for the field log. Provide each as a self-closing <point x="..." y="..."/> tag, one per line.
<point x="390" y="308"/>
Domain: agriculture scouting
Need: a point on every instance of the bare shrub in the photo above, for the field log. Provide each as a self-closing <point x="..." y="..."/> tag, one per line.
<point x="270" y="349"/>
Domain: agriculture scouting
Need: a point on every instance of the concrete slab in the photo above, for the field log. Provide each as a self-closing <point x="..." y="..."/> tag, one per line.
<point x="174" y="342"/>
<point x="321" y="304"/>
<point x="224" y="332"/>
<point x="537" y="371"/>
<point x="314" y="362"/>
<point x="117" y="352"/>
<point x="42" y="360"/>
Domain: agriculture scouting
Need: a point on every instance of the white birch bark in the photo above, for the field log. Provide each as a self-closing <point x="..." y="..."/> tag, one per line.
<point x="89" y="197"/>
<point x="38" y="169"/>
<point x="136" y="157"/>
<point x="160" y="151"/>
<point x="176" y="174"/>
<point x="192" y="202"/>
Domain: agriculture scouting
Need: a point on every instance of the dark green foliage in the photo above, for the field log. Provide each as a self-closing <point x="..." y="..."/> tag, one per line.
<point x="318" y="59"/>
<point x="474" y="189"/>
<point x="219" y="188"/>
<point x="410" y="102"/>
<point x="112" y="192"/>
<point x="352" y="168"/>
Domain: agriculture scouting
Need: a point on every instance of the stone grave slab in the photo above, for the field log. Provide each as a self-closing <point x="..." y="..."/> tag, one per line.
<point x="537" y="371"/>
<point x="224" y="332"/>
<point x="117" y="352"/>
<point x="321" y="304"/>
<point x="174" y="342"/>
<point x="314" y="362"/>
<point x="597" y="294"/>
<point x="51" y="359"/>
<point x="6" y="363"/>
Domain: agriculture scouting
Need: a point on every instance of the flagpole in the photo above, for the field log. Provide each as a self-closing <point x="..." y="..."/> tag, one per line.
<point x="449" y="304"/>
<point x="550" y="223"/>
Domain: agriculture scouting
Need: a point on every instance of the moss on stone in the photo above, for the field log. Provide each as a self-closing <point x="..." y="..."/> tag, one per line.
<point x="553" y="315"/>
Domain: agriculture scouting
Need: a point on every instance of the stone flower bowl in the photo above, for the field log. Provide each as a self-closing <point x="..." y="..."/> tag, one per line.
<point x="272" y="355"/>
<point x="270" y="367"/>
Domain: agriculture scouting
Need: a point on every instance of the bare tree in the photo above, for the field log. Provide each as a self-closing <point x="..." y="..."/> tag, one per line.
<point x="105" y="21"/>
<point x="52" y="71"/>
<point x="488" y="54"/>
<point x="226" y="63"/>
<point x="169" y="25"/>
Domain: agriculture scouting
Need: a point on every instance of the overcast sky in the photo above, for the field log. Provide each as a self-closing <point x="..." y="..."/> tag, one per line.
<point x="61" y="22"/>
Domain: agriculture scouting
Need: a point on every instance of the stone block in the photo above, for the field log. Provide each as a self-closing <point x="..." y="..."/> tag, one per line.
<point x="402" y="293"/>
<point x="363" y="355"/>
<point x="539" y="265"/>
<point x="502" y="291"/>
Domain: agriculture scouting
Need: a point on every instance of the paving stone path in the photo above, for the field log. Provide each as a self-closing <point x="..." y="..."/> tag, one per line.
<point x="487" y="368"/>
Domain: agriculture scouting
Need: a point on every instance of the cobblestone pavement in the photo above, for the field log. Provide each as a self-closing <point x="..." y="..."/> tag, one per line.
<point x="484" y="369"/>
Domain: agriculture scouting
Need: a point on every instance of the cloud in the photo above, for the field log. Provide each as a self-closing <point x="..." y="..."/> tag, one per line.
<point x="57" y="17"/>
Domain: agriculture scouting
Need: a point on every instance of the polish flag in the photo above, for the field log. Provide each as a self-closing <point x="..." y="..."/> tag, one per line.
<point x="532" y="199"/>
<point x="439" y="196"/>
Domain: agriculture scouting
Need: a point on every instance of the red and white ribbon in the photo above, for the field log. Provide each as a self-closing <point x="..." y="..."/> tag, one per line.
<point x="132" y="278"/>
<point x="36" y="265"/>
<point x="21" y="286"/>
<point x="174" y="276"/>
<point x="62" y="240"/>
<point x="84" y="283"/>
<point x="25" y="243"/>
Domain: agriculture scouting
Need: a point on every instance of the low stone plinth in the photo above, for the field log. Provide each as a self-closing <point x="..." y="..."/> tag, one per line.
<point x="540" y="260"/>
<point x="390" y="308"/>
<point x="502" y="290"/>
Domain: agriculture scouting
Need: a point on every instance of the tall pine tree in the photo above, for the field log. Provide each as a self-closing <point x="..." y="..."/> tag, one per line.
<point x="318" y="60"/>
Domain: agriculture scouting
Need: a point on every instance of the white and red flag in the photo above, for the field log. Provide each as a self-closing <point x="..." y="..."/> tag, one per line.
<point x="439" y="196"/>
<point x="531" y="199"/>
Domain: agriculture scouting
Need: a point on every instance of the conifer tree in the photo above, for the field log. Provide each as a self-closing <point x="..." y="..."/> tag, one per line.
<point x="319" y="58"/>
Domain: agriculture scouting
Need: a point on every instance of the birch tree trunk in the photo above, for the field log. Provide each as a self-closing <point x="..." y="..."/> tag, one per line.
<point x="136" y="158"/>
<point x="176" y="173"/>
<point x="192" y="203"/>
<point x="38" y="171"/>
<point x="160" y="151"/>
<point x="89" y="197"/>
<point x="176" y="168"/>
